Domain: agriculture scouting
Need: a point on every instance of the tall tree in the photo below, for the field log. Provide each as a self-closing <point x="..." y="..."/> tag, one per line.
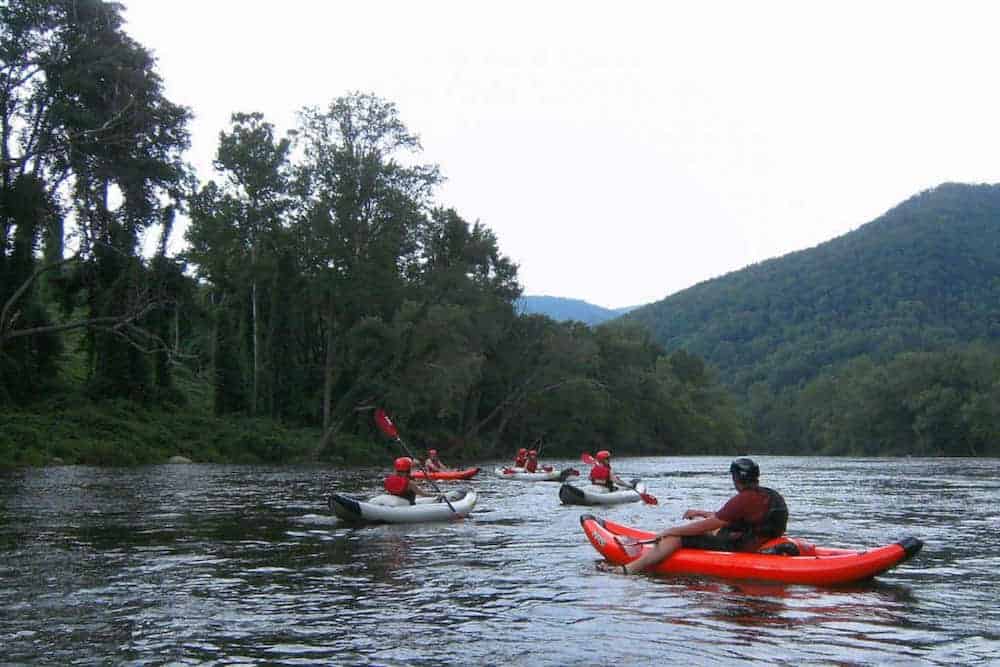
<point x="365" y="208"/>
<point x="84" y="115"/>
<point x="237" y="229"/>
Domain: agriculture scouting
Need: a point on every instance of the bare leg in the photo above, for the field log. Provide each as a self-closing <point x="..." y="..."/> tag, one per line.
<point x="661" y="550"/>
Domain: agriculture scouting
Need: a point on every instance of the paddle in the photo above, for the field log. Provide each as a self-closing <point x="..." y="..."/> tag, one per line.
<point x="647" y="498"/>
<point x="632" y="546"/>
<point x="387" y="427"/>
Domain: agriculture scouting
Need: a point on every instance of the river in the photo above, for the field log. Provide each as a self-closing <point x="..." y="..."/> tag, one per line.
<point x="209" y="564"/>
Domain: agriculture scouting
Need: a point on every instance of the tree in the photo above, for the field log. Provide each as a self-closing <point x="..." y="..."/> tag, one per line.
<point x="364" y="210"/>
<point x="84" y="120"/>
<point x="238" y="230"/>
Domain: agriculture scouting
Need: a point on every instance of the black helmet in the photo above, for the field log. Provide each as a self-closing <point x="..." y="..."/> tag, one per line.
<point x="745" y="470"/>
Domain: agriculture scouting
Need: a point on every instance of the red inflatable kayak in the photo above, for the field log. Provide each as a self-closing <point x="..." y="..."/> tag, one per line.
<point x="445" y="474"/>
<point x="795" y="561"/>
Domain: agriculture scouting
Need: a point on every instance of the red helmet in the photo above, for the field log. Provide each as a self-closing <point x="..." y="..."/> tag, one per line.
<point x="522" y="451"/>
<point x="603" y="455"/>
<point x="532" y="452"/>
<point x="432" y="452"/>
<point x="403" y="464"/>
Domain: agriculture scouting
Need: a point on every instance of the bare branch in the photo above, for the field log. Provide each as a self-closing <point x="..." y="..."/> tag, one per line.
<point x="19" y="292"/>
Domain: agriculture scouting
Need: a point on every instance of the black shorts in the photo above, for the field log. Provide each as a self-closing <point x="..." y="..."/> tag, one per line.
<point x="721" y="541"/>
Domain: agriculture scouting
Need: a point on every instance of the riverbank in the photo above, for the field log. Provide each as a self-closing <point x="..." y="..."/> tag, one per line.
<point x="70" y="430"/>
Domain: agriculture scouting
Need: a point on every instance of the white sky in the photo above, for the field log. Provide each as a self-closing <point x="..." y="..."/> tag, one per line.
<point x="621" y="151"/>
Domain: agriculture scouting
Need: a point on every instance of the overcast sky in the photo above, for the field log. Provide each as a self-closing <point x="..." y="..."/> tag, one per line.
<point x="622" y="151"/>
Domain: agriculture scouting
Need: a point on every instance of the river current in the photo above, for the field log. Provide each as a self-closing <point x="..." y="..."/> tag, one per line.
<point x="208" y="564"/>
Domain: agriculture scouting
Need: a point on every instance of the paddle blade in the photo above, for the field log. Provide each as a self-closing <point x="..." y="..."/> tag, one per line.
<point x="385" y="424"/>
<point x="588" y="459"/>
<point x="649" y="499"/>
<point x="567" y="473"/>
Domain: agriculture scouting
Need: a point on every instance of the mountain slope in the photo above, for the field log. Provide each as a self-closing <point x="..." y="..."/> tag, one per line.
<point x="562" y="309"/>
<point x="923" y="276"/>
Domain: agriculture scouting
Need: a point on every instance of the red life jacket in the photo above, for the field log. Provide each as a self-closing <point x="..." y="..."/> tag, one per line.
<point x="600" y="474"/>
<point x="520" y="461"/>
<point x="531" y="465"/>
<point x="396" y="485"/>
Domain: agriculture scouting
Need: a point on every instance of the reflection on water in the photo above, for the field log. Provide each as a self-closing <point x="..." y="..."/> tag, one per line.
<point x="242" y="564"/>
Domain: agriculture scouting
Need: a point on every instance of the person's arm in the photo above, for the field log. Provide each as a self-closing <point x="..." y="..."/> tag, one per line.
<point x="419" y="490"/>
<point x="698" y="514"/>
<point x="698" y="527"/>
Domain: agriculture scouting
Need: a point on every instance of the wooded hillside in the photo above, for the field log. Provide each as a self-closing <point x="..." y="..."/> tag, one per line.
<point x="924" y="278"/>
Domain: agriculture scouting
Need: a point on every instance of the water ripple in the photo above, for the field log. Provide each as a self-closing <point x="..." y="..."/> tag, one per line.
<point x="229" y="564"/>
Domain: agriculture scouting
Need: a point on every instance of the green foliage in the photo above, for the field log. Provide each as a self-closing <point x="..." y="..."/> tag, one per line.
<point x="120" y="433"/>
<point x="326" y="281"/>
<point x="917" y="403"/>
<point x="85" y="123"/>
<point x="839" y="349"/>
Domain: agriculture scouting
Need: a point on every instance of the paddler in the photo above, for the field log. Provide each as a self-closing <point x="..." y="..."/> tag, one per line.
<point x="753" y="516"/>
<point x="432" y="463"/>
<point x="602" y="475"/>
<point x="522" y="458"/>
<point x="401" y="484"/>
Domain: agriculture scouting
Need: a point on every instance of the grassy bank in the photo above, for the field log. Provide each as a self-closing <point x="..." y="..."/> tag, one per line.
<point x="70" y="430"/>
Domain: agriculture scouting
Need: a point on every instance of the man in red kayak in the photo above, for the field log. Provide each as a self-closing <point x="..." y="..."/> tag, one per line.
<point x="401" y="484"/>
<point x="433" y="463"/>
<point x="601" y="474"/>
<point x="753" y="516"/>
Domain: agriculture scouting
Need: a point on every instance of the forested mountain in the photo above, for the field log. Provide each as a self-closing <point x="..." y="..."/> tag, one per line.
<point x="923" y="278"/>
<point x="564" y="310"/>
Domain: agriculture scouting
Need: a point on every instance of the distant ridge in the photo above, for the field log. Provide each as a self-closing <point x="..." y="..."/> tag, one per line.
<point x="924" y="276"/>
<point x="563" y="310"/>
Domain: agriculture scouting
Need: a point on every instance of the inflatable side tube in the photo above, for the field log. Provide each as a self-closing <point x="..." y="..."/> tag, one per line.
<point x="571" y="495"/>
<point x="345" y="507"/>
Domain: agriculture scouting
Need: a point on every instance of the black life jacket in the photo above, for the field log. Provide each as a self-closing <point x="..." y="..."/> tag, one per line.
<point x="772" y="525"/>
<point x="776" y="519"/>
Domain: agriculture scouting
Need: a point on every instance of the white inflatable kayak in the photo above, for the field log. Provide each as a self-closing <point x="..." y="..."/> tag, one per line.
<point x="385" y="508"/>
<point x="592" y="494"/>
<point x="523" y="475"/>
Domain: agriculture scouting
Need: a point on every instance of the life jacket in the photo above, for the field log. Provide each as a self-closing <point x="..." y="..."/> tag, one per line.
<point x="398" y="485"/>
<point x="531" y="465"/>
<point x="520" y="461"/>
<point x="600" y="475"/>
<point x="776" y="520"/>
<point x="772" y="525"/>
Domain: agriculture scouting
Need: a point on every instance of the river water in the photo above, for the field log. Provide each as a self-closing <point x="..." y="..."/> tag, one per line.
<point x="207" y="564"/>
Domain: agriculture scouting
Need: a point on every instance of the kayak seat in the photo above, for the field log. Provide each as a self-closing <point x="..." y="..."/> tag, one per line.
<point x="788" y="546"/>
<point x="387" y="500"/>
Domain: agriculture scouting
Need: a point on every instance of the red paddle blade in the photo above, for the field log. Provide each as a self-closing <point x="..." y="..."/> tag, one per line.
<point x="649" y="499"/>
<point x="385" y="424"/>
